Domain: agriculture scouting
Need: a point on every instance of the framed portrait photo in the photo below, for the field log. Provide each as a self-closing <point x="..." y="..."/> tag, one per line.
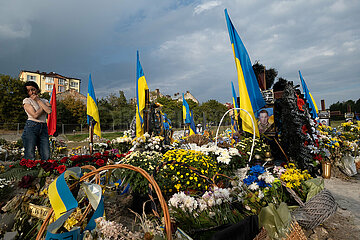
<point x="265" y="121"/>
<point x="324" y="121"/>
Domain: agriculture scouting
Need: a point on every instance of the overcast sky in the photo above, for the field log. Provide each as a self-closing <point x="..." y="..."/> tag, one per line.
<point x="184" y="45"/>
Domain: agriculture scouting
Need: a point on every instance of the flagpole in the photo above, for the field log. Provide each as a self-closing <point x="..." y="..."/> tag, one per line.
<point x="264" y="78"/>
<point x="91" y="136"/>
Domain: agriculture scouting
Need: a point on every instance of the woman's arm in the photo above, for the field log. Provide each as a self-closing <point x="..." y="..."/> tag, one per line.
<point x="30" y="110"/>
<point x="45" y="106"/>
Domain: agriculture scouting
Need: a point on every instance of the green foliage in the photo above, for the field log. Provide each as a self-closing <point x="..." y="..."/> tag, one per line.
<point x="16" y="173"/>
<point x="70" y="111"/>
<point x="45" y="95"/>
<point x="173" y="109"/>
<point x="115" y="110"/>
<point x="148" y="161"/>
<point x="270" y="74"/>
<point x="343" y="108"/>
<point x="213" y="111"/>
<point x="12" y="95"/>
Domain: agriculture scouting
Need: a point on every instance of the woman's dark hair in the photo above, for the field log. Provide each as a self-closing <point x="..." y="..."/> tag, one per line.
<point x="30" y="83"/>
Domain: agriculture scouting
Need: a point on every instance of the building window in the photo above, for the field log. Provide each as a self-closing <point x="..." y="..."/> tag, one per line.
<point x="49" y="80"/>
<point x="49" y="87"/>
<point x="61" y="89"/>
<point x="31" y="78"/>
<point x="74" y="84"/>
<point x="61" y="81"/>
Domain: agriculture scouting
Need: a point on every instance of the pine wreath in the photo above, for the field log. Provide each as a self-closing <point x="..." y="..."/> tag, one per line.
<point x="294" y="126"/>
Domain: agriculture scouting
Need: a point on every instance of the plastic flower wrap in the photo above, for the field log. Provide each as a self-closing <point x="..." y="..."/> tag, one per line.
<point x="148" y="161"/>
<point x="260" y="147"/>
<point x="186" y="170"/>
<point x="123" y="144"/>
<point x="213" y="208"/>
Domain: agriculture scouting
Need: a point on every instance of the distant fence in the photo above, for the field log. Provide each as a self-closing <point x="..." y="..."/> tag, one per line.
<point x="17" y="128"/>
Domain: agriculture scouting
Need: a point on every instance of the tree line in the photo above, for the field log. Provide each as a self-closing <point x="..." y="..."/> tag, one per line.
<point x="114" y="109"/>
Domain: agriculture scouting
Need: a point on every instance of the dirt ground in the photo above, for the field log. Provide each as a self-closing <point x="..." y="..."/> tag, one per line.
<point x="345" y="223"/>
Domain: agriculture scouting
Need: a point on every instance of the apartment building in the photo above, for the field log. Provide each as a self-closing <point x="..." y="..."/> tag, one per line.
<point x="47" y="81"/>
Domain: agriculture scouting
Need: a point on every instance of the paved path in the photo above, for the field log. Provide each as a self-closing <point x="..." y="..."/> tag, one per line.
<point x="347" y="195"/>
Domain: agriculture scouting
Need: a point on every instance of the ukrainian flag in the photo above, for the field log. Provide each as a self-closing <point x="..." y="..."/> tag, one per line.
<point x="309" y="98"/>
<point x="192" y="125"/>
<point x="251" y="98"/>
<point x="186" y="111"/>
<point x="92" y="109"/>
<point x="141" y="86"/>
<point x="234" y="98"/>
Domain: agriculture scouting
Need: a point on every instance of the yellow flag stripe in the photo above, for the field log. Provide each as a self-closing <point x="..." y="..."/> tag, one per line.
<point x="55" y="200"/>
<point x="92" y="110"/>
<point x="245" y="102"/>
<point x="312" y="99"/>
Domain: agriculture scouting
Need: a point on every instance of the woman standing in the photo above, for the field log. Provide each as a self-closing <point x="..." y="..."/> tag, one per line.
<point x="35" y="131"/>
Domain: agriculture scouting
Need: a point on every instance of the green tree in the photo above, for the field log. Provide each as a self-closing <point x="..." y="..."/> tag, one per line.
<point x="173" y="109"/>
<point x="270" y="74"/>
<point x="213" y="110"/>
<point x="115" y="110"/>
<point x="12" y="95"/>
<point x="71" y="111"/>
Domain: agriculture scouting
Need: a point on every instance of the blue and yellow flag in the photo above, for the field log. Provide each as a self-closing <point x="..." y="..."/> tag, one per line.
<point x="186" y="111"/>
<point x="192" y="125"/>
<point x="235" y="117"/>
<point x="251" y="98"/>
<point x="141" y="86"/>
<point x="92" y="110"/>
<point x="309" y="98"/>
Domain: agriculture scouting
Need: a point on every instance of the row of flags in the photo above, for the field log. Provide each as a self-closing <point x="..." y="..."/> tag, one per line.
<point x="251" y="99"/>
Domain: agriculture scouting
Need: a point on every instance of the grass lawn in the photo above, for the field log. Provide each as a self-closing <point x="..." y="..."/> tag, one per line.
<point x="81" y="137"/>
<point x="336" y="123"/>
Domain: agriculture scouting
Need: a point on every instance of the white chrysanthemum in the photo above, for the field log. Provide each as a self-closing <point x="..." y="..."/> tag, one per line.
<point x="253" y="186"/>
<point x="261" y="194"/>
<point x="233" y="152"/>
<point x="267" y="177"/>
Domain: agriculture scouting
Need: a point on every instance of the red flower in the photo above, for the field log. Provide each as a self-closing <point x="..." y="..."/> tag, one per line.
<point x="51" y="161"/>
<point x="23" y="162"/>
<point x="300" y="103"/>
<point x="317" y="142"/>
<point x="306" y="143"/>
<point x="75" y="158"/>
<point x="304" y="129"/>
<point x="64" y="160"/>
<point x="97" y="155"/>
<point x="106" y="153"/>
<point x="10" y="166"/>
<point x="26" y="181"/>
<point x="61" y="168"/>
<point x="118" y="155"/>
<point x="30" y="163"/>
<point x="318" y="157"/>
<point x="100" y="162"/>
<point x="38" y="161"/>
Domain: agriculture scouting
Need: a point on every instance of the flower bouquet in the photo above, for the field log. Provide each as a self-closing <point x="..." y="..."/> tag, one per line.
<point x="200" y="214"/>
<point x="186" y="170"/>
<point x="148" y="161"/>
<point x="295" y="179"/>
<point x="260" y="188"/>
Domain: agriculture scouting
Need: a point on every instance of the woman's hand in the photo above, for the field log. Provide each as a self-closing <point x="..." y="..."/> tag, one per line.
<point x="35" y="97"/>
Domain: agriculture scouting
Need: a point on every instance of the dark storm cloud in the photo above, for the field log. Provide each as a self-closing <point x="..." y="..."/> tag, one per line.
<point x="184" y="45"/>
